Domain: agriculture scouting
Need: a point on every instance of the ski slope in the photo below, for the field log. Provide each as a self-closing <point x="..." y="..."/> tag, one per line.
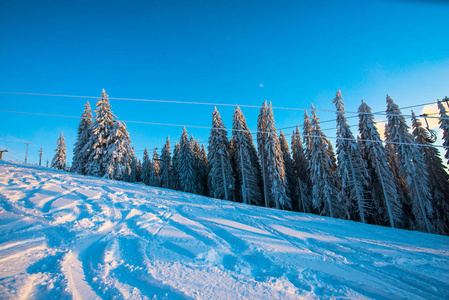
<point x="70" y="236"/>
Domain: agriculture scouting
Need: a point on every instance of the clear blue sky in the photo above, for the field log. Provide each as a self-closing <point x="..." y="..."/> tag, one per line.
<point x="292" y="53"/>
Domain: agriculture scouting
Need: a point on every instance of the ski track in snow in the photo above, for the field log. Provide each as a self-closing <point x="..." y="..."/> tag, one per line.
<point x="66" y="236"/>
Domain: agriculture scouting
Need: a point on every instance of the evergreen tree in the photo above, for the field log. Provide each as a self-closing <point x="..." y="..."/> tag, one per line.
<point x="323" y="174"/>
<point x="301" y="167"/>
<point x="444" y="125"/>
<point x="307" y="131"/>
<point x="289" y="167"/>
<point x="246" y="161"/>
<point x="176" y="185"/>
<point x="132" y="177"/>
<point x="351" y="166"/>
<point x="186" y="165"/>
<point x="411" y="166"/>
<point x="119" y="153"/>
<point x="204" y="166"/>
<point x="80" y="157"/>
<point x="166" y="166"/>
<point x="439" y="179"/>
<point x="388" y="207"/>
<point x="154" y="170"/>
<point x="99" y="140"/>
<point x="139" y="171"/>
<point x="221" y="180"/>
<point x="200" y="167"/>
<point x="275" y="162"/>
<point x="146" y="167"/>
<point x="58" y="161"/>
<point x="261" y="142"/>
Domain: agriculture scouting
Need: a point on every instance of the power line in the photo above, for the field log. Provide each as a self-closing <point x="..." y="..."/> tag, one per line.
<point x="242" y="130"/>
<point x="210" y="104"/>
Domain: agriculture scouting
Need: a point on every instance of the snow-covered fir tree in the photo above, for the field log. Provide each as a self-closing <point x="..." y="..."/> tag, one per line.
<point x="156" y="162"/>
<point x="132" y="176"/>
<point x="139" y="171"/>
<point x="176" y="185"/>
<point x="307" y="132"/>
<point x="261" y="142"/>
<point x="411" y="166"/>
<point x="58" y="162"/>
<point x="301" y="167"/>
<point x="98" y="143"/>
<point x="203" y="167"/>
<point x="444" y="125"/>
<point x="186" y="165"/>
<point x="290" y="176"/>
<point x="248" y="173"/>
<point x="146" y="167"/>
<point x="154" y="170"/>
<point x="200" y="167"/>
<point x="80" y="156"/>
<point x="221" y="179"/>
<point x="387" y="205"/>
<point x="323" y="174"/>
<point x="438" y="179"/>
<point x="277" y="181"/>
<point x="351" y="166"/>
<point x="166" y="166"/>
<point x="119" y="153"/>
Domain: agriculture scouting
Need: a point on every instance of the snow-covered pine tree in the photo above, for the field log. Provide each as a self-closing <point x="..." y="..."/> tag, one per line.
<point x="119" y="153"/>
<point x="154" y="170"/>
<point x="204" y="166"/>
<point x="411" y="166"/>
<point x="186" y="165"/>
<point x="58" y="161"/>
<point x="301" y="167"/>
<point x="156" y="162"/>
<point x="292" y="180"/>
<point x="176" y="184"/>
<point x="323" y="174"/>
<point x="80" y="157"/>
<point x="200" y="168"/>
<point x="438" y="179"/>
<point x="98" y="143"/>
<point x="246" y="162"/>
<point x="166" y="165"/>
<point x="307" y="132"/>
<point x="444" y="125"/>
<point x="221" y="180"/>
<point x="133" y="166"/>
<point x="278" y="193"/>
<point x="139" y="171"/>
<point x="351" y="166"/>
<point x="261" y="142"/>
<point x="146" y="167"/>
<point x="388" y="207"/>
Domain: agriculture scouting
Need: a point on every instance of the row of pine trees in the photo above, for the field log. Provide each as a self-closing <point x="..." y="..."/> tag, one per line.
<point x="400" y="182"/>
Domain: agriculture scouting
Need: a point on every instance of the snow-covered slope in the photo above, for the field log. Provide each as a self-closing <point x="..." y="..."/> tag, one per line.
<point x="65" y="235"/>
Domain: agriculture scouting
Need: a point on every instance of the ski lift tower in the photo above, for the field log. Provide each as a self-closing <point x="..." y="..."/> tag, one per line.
<point x="1" y="152"/>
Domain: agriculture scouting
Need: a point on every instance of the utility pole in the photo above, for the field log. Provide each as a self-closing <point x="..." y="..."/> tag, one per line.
<point x="1" y="152"/>
<point x="26" y="154"/>
<point x="243" y="178"/>
<point x="40" y="156"/>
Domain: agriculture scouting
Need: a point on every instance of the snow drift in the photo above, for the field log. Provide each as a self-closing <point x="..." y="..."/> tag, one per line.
<point x="70" y="236"/>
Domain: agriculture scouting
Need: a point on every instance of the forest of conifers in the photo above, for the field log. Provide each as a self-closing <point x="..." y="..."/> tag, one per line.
<point x="400" y="181"/>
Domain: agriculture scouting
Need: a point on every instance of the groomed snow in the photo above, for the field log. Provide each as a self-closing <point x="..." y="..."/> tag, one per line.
<point x="65" y="235"/>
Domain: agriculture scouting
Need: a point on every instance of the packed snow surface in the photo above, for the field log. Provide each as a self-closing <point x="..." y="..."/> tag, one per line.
<point x="70" y="236"/>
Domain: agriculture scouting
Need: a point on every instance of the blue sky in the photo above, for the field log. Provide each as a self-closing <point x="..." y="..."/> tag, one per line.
<point x="292" y="53"/>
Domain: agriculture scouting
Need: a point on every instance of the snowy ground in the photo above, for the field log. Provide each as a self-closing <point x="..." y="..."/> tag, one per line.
<point x="70" y="236"/>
